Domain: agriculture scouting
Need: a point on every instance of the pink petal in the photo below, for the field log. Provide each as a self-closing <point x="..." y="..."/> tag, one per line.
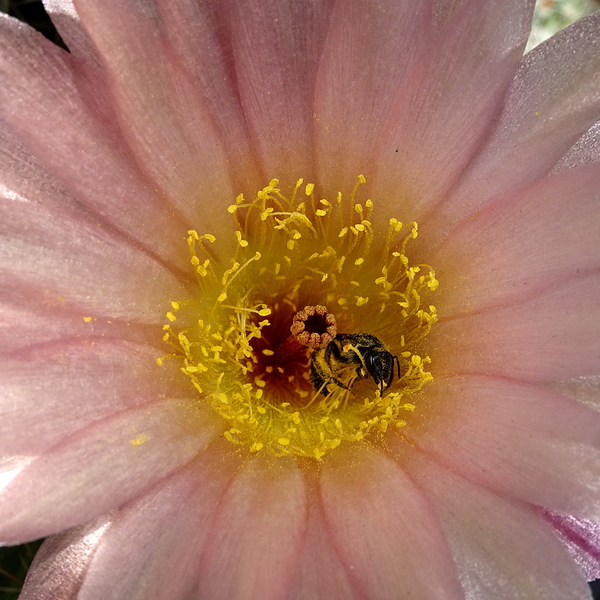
<point x="46" y="94"/>
<point x="384" y="530"/>
<point x="550" y="337"/>
<point x="585" y="150"/>
<point x="62" y="561"/>
<point x="66" y="20"/>
<point x="582" y="389"/>
<point x="153" y="546"/>
<point x="364" y="61"/>
<point x="101" y="467"/>
<point x="35" y="210"/>
<point x="42" y="220"/>
<point x="23" y="324"/>
<point x="51" y="259"/>
<point x="503" y="549"/>
<point x="442" y="10"/>
<point x="53" y="390"/>
<point x="24" y="179"/>
<point x="163" y="119"/>
<point x="554" y="100"/>
<point x="276" y="48"/>
<point x="456" y="94"/>
<point x="522" y="244"/>
<point x="199" y="35"/>
<point x="517" y="439"/>
<point x="62" y="257"/>
<point x="321" y="573"/>
<point x="582" y="539"/>
<point x="253" y="548"/>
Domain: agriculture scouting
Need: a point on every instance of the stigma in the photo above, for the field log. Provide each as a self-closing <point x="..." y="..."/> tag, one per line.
<point x="261" y="342"/>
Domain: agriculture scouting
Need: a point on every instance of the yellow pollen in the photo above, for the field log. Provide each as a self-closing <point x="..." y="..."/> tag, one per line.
<point x="139" y="440"/>
<point x="289" y="252"/>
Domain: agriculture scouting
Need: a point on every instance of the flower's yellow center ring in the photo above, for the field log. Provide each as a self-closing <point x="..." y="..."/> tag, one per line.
<point x="295" y="252"/>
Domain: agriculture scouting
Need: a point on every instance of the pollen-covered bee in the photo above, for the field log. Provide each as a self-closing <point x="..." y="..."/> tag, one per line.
<point x="364" y="350"/>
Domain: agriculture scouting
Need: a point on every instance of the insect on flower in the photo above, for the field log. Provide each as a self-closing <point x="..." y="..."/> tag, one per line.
<point x="361" y="349"/>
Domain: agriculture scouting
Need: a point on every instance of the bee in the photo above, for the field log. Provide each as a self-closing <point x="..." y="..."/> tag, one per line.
<point x="364" y="350"/>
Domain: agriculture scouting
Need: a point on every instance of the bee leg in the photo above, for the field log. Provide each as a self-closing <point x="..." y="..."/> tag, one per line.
<point x="361" y="372"/>
<point x="339" y="383"/>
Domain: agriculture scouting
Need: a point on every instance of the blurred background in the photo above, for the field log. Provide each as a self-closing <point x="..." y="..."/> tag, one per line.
<point x="550" y="16"/>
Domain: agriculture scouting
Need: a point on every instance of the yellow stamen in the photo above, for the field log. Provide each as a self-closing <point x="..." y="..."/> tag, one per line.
<point x="289" y="254"/>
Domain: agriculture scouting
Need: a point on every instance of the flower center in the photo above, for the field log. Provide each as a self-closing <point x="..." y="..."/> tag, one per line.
<point x="308" y="335"/>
